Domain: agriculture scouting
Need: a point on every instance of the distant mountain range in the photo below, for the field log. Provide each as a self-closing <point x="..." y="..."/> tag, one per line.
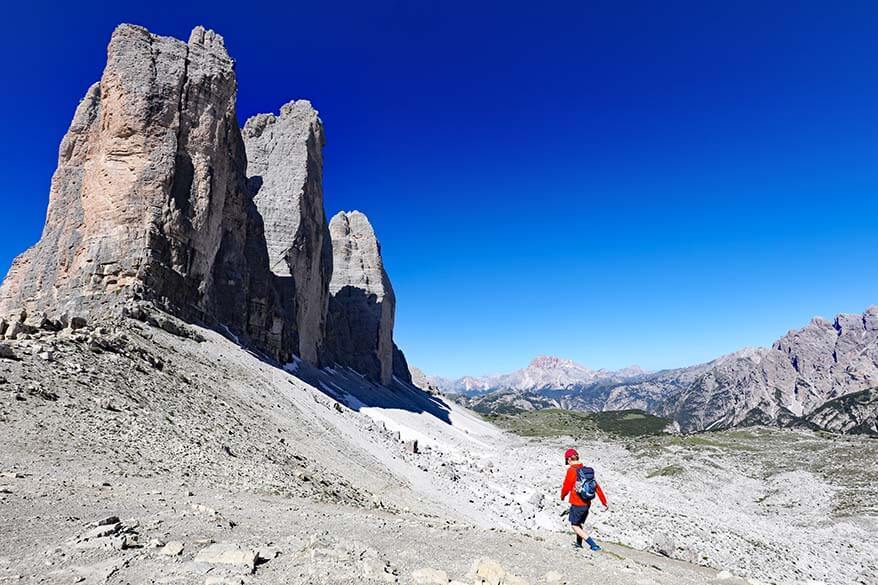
<point x="543" y="373"/>
<point x="823" y="375"/>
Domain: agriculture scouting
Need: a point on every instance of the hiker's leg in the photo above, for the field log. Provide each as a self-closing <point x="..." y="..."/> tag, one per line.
<point x="580" y="533"/>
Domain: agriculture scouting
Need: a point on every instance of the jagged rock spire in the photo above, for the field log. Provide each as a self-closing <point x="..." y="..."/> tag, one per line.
<point x="151" y="201"/>
<point x="149" y="197"/>
<point x="285" y="166"/>
<point x="362" y="305"/>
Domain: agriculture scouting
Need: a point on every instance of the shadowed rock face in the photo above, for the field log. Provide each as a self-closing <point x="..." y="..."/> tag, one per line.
<point x="285" y="164"/>
<point x="361" y="302"/>
<point x="149" y="198"/>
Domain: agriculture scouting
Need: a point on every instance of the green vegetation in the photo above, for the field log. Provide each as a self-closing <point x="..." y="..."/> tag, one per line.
<point x="667" y="471"/>
<point x="553" y="422"/>
<point x="630" y="423"/>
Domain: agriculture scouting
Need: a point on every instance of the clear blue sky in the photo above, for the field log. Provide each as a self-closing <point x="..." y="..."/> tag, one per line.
<point x="614" y="182"/>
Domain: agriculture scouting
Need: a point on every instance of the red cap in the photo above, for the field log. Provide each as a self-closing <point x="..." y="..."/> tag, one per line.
<point x="570" y="453"/>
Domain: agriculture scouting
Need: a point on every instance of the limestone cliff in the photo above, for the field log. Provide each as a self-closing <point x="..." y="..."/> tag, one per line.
<point x="361" y="303"/>
<point x="151" y="201"/>
<point x="149" y="198"/>
<point x="285" y="166"/>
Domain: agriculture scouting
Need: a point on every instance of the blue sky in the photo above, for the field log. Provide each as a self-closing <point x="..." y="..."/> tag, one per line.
<point x="615" y="182"/>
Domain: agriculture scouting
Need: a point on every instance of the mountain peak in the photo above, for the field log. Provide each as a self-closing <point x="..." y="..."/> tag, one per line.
<point x="544" y="362"/>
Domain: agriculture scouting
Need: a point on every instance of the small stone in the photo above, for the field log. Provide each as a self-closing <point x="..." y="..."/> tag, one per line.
<point x="378" y="569"/>
<point x="430" y="577"/>
<point x="664" y="544"/>
<point x="77" y="323"/>
<point x="220" y="580"/>
<point x="106" y="521"/>
<point x="15" y="329"/>
<point x="227" y="554"/>
<point x="487" y="572"/>
<point x="123" y="541"/>
<point x="411" y="446"/>
<point x="5" y="489"/>
<point x="6" y="352"/>
<point x="267" y="553"/>
<point x="554" y="577"/>
<point x="173" y="548"/>
<point x="107" y="404"/>
<point x="101" y="531"/>
<point x="537" y="499"/>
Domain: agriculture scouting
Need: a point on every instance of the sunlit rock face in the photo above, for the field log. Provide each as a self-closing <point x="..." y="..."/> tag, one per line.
<point x="285" y="168"/>
<point x="149" y="198"/>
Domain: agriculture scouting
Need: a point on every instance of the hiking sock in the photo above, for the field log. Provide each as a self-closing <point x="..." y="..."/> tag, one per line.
<point x="592" y="544"/>
<point x="578" y="540"/>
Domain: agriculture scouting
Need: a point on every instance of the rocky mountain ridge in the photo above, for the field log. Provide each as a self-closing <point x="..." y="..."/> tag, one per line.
<point x="160" y="198"/>
<point x="803" y="379"/>
<point x="542" y="373"/>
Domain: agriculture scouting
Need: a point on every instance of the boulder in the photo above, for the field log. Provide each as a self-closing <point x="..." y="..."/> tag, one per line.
<point x="486" y="571"/>
<point x="75" y="323"/>
<point x="149" y="197"/>
<point x="227" y="554"/>
<point x="173" y="548"/>
<point x="379" y="570"/>
<point x="15" y="329"/>
<point x="101" y="531"/>
<point x="663" y="544"/>
<point x="6" y="352"/>
<point x="430" y="577"/>
<point x="222" y="580"/>
<point x="537" y="499"/>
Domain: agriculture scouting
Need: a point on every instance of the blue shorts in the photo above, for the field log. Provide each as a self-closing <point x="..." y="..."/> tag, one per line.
<point x="577" y="515"/>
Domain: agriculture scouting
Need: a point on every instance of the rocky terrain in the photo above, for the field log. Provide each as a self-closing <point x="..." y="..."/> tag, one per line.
<point x="803" y="379"/>
<point x="221" y="467"/>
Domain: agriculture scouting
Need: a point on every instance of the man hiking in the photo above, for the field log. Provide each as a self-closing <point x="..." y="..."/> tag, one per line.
<point x="582" y="487"/>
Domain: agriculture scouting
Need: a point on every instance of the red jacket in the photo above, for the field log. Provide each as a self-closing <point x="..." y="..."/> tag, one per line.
<point x="570" y="481"/>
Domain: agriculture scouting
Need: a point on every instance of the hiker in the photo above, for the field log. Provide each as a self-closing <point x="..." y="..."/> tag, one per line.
<point x="582" y="487"/>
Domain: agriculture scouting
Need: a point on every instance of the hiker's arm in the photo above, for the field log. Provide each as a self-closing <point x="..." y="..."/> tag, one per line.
<point x="600" y="494"/>
<point x="569" y="480"/>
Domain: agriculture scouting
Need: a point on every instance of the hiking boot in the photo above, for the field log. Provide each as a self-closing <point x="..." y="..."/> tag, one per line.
<point x="577" y="545"/>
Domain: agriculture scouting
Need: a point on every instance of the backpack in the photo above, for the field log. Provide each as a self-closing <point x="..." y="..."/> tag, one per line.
<point x="586" y="486"/>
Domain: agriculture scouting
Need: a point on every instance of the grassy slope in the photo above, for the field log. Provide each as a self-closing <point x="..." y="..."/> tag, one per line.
<point x="556" y="422"/>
